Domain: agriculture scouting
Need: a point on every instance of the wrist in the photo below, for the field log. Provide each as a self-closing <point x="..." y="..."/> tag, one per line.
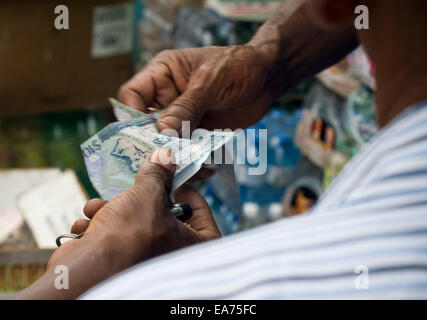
<point x="267" y="43"/>
<point x="77" y="266"/>
<point x="111" y="251"/>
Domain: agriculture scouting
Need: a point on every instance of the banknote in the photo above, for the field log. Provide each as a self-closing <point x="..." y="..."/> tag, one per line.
<point x="123" y="112"/>
<point x="114" y="155"/>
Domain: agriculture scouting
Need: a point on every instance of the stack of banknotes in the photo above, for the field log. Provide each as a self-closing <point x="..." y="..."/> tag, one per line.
<point x="114" y="155"/>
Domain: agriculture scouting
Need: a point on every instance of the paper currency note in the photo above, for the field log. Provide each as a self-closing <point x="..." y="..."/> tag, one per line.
<point x="114" y="155"/>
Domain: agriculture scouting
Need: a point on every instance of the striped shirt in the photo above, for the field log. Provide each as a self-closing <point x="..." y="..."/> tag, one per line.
<point x="366" y="238"/>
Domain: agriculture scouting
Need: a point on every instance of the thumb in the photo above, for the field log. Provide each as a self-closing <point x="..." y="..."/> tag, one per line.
<point x="146" y="200"/>
<point x="188" y="106"/>
<point x="202" y="221"/>
<point x="156" y="174"/>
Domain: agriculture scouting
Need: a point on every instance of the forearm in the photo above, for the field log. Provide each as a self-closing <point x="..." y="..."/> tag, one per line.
<point x="296" y="48"/>
<point x="86" y="262"/>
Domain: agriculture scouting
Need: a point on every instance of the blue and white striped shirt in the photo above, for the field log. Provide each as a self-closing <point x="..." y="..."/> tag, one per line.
<point x="366" y="238"/>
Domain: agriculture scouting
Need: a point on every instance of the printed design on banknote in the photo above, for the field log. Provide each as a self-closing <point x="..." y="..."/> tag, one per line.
<point x="114" y="155"/>
<point x="135" y="152"/>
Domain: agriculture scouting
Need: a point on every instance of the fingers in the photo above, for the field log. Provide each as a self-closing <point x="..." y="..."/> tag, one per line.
<point x="131" y="93"/>
<point x="154" y="86"/>
<point x="92" y="207"/>
<point x="147" y="200"/>
<point x="131" y="97"/>
<point x="140" y="90"/>
<point x="80" y="226"/>
<point x="157" y="173"/>
<point x="189" y="106"/>
<point x="202" y="220"/>
<point x="161" y="83"/>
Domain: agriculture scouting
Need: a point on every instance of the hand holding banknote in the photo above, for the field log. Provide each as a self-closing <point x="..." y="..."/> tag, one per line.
<point x="114" y="155"/>
<point x="212" y="87"/>
<point x="136" y="225"/>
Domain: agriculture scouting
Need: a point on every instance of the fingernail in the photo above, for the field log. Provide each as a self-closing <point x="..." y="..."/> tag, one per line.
<point x="164" y="157"/>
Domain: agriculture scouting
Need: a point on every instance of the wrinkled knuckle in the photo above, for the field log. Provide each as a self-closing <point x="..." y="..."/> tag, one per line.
<point x="153" y="180"/>
<point x="205" y="69"/>
<point x="123" y="205"/>
<point x="152" y="188"/>
<point x="186" y="105"/>
<point x="151" y="172"/>
<point x="134" y="198"/>
<point x="164" y="55"/>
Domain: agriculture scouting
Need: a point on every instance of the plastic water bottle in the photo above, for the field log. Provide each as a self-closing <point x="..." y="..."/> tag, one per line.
<point x="275" y="122"/>
<point x="230" y="219"/>
<point x="252" y="187"/>
<point x="283" y="157"/>
<point x="275" y="211"/>
<point x="226" y="218"/>
<point x="279" y="122"/>
<point x="214" y="204"/>
<point x="252" y="215"/>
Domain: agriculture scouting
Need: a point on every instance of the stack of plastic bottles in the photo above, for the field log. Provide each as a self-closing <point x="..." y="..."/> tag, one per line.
<point x="265" y="169"/>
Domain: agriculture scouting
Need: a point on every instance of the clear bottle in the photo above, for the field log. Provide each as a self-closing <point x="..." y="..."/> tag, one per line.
<point x="252" y="216"/>
<point x="214" y="206"/>
<point x="283" y="157"/>
<point x="275" y="122"/>
<point x="275" y="211"/>
<point x="252" y="187"/>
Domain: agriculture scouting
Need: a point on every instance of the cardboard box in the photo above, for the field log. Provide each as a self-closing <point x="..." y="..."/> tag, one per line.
<point x="19" y="269"/>
<point x="44" y="69"/>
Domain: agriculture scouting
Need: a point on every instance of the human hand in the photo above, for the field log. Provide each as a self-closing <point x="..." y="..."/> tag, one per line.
<point x="212" y="87"/>
<point x="134" y="226"/>
<point x="140" y="216"/>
